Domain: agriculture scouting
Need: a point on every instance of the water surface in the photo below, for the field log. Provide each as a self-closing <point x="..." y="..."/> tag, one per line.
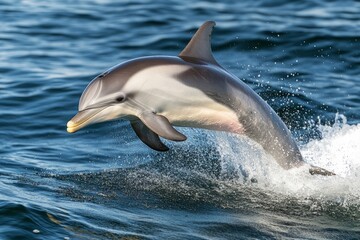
<point x="302" y="57"/>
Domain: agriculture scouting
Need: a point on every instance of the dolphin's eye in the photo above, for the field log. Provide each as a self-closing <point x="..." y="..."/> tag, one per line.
<point x="120" y="99"/>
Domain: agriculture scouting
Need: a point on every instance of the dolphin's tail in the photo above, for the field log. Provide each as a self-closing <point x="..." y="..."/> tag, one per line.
<point x="313" y="170"/>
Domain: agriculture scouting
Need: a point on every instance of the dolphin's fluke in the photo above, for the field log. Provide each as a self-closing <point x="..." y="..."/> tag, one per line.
<point x="200" y="45"/>
<point x="161" y="126"/>
<point x="320" y="171"/>
<point x="148" y="137"/>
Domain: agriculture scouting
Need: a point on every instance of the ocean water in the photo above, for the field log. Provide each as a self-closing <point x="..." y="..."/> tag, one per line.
<point x="302" y="57"/>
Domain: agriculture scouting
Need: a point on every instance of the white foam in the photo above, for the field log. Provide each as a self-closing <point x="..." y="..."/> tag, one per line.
<point x="337" y="151"/>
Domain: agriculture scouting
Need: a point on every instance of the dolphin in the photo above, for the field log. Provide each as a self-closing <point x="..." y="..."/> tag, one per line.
<point x="189" y="90"/>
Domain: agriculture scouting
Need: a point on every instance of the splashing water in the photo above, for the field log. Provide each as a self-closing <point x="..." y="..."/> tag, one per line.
<point x="339" y="148"/>
<point x="337" y="151"/>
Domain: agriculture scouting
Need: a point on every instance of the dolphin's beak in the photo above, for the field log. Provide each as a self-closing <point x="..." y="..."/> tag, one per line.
<point x="82" y="119"/>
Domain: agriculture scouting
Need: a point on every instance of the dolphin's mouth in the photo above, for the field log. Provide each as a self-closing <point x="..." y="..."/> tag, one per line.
<point x="82" y="119"/>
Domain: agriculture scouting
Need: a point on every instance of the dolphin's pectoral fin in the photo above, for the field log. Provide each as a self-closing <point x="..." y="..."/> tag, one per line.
<point x="148" y="137"/>
<point x="313" y="170"/>
<point x="161" y="126"/>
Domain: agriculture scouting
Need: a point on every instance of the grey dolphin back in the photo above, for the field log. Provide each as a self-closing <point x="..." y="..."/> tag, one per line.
<point x="200" y="44"/>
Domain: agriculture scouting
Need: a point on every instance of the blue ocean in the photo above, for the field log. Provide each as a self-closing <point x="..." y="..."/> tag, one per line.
<point x="302" y="57"/>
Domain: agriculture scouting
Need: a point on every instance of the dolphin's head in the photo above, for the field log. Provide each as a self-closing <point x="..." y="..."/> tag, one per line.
<point x="103" y="99"/>
<point x="131" y="90"/>
<point x="165" y="86"/>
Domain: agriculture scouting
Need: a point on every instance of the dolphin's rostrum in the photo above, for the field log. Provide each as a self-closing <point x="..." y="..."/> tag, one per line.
<point x="191" y="90"/>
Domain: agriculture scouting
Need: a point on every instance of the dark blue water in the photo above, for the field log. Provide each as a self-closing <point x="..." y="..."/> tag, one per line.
<point x="303" y="57"/>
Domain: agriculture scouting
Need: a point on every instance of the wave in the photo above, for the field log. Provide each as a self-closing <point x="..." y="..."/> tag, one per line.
<point x="30" y="221"/>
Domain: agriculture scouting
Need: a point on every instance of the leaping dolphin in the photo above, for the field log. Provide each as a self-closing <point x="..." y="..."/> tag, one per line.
<point x="191" y="90"/>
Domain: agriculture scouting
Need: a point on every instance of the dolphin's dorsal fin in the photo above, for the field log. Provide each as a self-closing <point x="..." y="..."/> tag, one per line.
<point x="200" y="45"/>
